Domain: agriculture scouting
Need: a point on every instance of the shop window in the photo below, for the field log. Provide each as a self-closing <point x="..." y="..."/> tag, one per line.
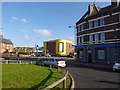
<point x="101" y="54"/>
<point x="81" y="54"/>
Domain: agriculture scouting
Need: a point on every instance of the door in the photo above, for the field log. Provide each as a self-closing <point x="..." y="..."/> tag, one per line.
<point x="89" y="58"/>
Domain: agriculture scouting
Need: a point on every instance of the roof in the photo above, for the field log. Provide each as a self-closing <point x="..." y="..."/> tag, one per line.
<point x="7" y="41"/>
<point x="59" y="40"/>
<point x="97" y="11"/>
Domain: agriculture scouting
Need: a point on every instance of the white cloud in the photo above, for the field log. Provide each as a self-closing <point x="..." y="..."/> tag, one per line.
<point x="43" y="32"/>
<point x="23" y="20"/>
<point x="23" y="30"/>
<point x="15" y="19"/>
<point x="26" y="37"/>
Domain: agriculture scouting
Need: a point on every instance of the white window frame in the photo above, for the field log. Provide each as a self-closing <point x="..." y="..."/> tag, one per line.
<point x="96" y="38"/>
<point x="102" y="22"/>
<point x="91" y="38"/>
<point x="82" y="27"/>
<point x="90" y="25"/>
<point x="96" y="23"/>
<point x="102" y="37"/>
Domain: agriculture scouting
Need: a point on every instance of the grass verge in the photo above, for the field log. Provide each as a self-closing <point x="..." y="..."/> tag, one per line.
<point x="27" y="76"/>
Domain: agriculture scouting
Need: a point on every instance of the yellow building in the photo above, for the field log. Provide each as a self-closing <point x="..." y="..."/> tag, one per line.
<point x="58" y="47"/>
<point x="5" y="45"/>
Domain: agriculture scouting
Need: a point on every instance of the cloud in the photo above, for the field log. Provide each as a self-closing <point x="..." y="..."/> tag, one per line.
<point x="23" y="20"/>
<point x="15" y="19"/>
<point x="43" y="32"/>
<point x="23" y="30"/>
<point x="26" y="37"/>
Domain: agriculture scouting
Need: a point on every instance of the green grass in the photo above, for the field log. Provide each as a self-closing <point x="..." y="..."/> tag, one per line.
<point x="0" y="76"/>
<point x="28" y="76"/>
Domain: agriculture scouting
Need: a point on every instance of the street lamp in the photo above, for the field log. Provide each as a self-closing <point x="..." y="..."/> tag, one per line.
<point x="74" y="33"/>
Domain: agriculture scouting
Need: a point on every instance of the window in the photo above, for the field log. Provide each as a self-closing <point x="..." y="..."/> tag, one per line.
<point x="99" y="36"/>
<point x="61" y="47"/>
<point x="102" y="23"/>
<point x="96" y="23"/>
<point x="91" y="38"/>
<point x="78" y="40"/>
<point x="96" y="38"/>
<point x="101" y="54"/>
<point x="82" y="39"/>
<point x="78" y="28"/>
<point x="82" y="27"/>
<point x="81" y="54"/>
<point x="103" y="37"/>
<point x="119" y="17"/>
<point x="90" y="25"/>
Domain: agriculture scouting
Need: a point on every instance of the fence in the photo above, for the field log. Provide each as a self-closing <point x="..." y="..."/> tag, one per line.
<point x="16" y="62"/>
<point x="72" y="86"/>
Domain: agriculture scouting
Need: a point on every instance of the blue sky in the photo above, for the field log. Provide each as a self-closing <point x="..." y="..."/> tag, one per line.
<point x="27" y="24"/>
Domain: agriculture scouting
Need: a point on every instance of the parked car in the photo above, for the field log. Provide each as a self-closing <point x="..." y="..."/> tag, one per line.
<point x="42" y="61"/>
<point x="116" y="66"/>
<point x="47" y="55"/>
<point x="53" y="62"/>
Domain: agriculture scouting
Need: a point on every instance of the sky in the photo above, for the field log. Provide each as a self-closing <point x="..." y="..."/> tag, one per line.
<point x="30" y="23"/>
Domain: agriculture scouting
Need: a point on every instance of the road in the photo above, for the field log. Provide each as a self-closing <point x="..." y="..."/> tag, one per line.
<point x="92" y="78"/>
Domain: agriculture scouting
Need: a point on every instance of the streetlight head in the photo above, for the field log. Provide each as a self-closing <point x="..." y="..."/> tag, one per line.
<point x="69" y="26"/>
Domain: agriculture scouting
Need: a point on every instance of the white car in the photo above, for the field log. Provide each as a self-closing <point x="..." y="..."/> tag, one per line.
<point x="116" y="66"/>
<point x="53" y="62"/>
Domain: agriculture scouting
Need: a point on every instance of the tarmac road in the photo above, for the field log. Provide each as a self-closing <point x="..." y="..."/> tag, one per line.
<point x="86" y="77"/>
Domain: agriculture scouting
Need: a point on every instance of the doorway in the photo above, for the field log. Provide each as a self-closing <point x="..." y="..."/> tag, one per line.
<point x="89" y="58"/>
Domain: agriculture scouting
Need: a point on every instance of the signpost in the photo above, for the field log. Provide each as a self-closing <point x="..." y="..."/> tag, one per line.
<point x="36" y="48"/>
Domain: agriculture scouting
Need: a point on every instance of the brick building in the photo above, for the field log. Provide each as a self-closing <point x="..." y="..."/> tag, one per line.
<point x="98" y="34"/>
<point x="6" y="45"/>
<point x="58" y="47"/>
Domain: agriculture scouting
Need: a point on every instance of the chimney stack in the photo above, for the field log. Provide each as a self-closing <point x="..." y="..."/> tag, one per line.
<point x="114" y="3"/>
<point x="90" y="8"/>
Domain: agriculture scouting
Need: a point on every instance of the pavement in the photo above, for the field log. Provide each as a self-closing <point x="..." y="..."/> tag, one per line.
<point x="95" y="65"/>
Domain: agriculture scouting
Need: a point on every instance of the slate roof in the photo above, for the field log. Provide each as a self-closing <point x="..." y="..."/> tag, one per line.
<point x="98" y="10"/>
<point x="7" y="41"/>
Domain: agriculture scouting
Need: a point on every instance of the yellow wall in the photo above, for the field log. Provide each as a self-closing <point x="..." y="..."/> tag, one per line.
<point x="57" y="45"/>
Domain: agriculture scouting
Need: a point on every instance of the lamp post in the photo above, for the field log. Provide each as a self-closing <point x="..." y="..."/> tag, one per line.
<point x="74" y="33"/>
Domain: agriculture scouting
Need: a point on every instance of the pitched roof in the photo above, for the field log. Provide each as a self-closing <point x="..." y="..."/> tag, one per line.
<point x="98" y="10"/>
<point x="7" y="41"/>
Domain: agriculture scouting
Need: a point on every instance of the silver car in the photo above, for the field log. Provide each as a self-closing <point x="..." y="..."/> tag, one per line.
<point x="116" y="66"/>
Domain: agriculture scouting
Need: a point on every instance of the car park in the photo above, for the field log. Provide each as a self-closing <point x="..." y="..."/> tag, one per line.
<point x="52" y="62"/>
<point x="116" y="66"/>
